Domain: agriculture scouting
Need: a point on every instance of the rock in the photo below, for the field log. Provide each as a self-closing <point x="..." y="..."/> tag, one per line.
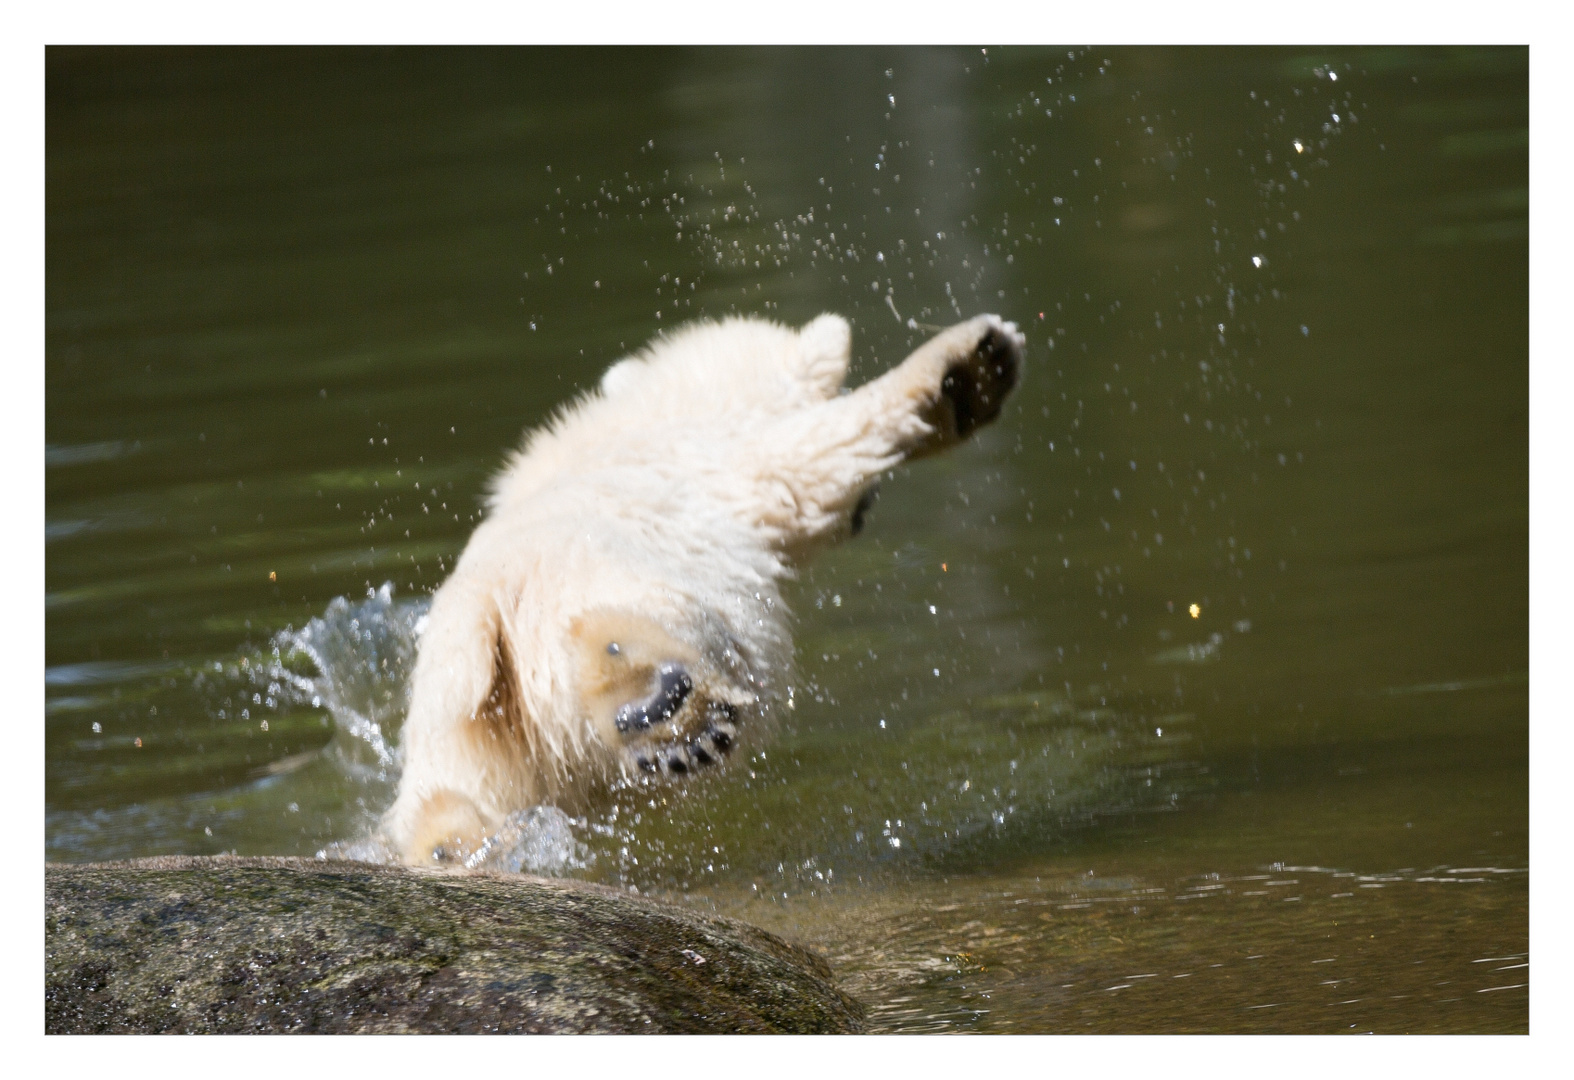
<point x="180" y="944"/>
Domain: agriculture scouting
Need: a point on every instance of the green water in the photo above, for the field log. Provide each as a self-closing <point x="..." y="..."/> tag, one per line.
<point x="299" y="303"/>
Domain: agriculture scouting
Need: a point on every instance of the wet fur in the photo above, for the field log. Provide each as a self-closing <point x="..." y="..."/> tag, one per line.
<point x="618" y="614"/>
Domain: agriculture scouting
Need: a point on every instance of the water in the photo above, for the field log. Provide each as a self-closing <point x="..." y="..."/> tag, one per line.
<point x="1191" y="696"/>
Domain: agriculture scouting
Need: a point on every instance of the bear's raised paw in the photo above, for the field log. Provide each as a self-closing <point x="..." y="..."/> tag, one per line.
<point x="976" y="386"/>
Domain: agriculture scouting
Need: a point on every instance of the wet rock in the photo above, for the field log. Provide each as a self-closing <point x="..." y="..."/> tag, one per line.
<point x="180" y="944"/>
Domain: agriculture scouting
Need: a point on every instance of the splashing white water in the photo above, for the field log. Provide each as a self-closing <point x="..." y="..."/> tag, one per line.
<point x="363" y="656"/>
<point x="539" y="840"/>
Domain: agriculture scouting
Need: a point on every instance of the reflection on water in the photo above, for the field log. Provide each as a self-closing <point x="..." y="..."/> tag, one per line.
<point x="1236" y="587"/>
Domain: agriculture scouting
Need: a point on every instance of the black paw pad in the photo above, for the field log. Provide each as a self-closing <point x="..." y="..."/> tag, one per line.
<point x="977" y="387"/>
<point x="675" y="686"/>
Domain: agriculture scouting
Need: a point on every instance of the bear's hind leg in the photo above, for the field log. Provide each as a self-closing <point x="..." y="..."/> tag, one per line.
<point x="828" y="457"/>
<point x="956" y="382"/>
<point x="975" y="385"/>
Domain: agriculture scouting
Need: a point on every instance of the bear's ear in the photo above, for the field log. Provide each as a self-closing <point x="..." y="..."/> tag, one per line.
<point x="825" y="347"/>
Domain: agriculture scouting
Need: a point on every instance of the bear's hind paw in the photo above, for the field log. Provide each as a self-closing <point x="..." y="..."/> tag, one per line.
<point x="977" y="385"/>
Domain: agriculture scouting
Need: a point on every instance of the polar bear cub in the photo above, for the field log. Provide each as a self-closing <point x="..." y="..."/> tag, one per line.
<point x="617" y="614"/>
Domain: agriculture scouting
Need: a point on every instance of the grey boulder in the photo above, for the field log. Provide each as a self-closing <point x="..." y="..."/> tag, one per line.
<point x="183" y="944"/>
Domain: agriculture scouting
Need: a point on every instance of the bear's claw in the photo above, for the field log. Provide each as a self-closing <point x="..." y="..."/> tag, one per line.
<point x="699" y="751"/>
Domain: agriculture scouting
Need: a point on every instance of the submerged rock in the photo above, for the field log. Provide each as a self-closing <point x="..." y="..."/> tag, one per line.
<point x="181" y="944"/>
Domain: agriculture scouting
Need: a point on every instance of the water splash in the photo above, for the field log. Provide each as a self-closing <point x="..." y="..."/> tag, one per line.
<point x="539" y="840"/>
<point x="362" y="656"/>
<point x="371" y="849"/>
<point x="1195" y="653"/>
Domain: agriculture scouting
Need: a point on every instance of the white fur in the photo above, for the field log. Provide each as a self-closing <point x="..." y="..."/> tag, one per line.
<point x="663" y="508"/>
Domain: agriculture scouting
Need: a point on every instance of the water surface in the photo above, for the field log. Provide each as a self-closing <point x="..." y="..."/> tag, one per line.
<point x="1191" y="696"/>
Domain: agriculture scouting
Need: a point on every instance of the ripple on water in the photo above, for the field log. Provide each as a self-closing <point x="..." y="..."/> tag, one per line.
<point x="1278" y="949"/>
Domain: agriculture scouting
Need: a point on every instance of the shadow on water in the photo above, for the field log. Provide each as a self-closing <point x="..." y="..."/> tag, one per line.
<point x="1191" y="696"/>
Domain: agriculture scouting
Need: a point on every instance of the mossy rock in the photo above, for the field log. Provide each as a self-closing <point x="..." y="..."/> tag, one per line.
<point x="180" y="944"/>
